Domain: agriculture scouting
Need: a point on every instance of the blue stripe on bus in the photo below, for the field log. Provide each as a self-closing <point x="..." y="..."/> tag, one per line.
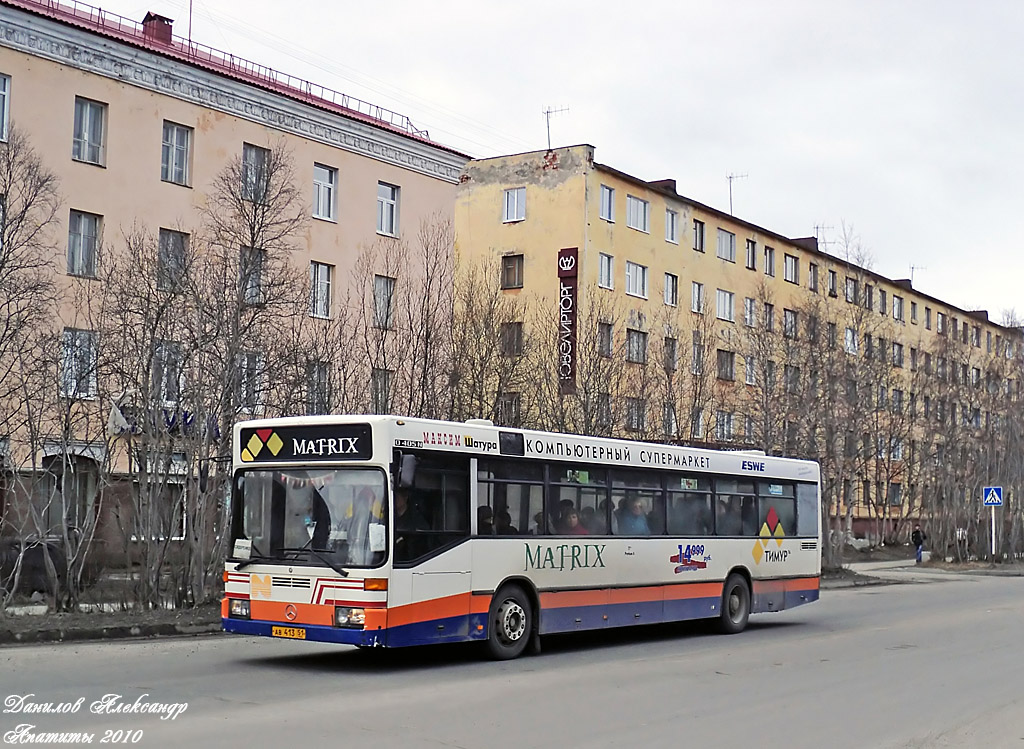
<point x="315" y="633"/>
<point x="563" y="619"/>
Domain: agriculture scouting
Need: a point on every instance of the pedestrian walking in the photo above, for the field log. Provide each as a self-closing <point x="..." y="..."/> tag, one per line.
<point x="918" y="538"/>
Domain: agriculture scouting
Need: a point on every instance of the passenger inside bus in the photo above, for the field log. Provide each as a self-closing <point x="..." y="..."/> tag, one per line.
<point x="408" y="524"/>
<point x="503" y="524"/>
<point x="632" y="518"/>
<point x="484" y="527"/>
<point x="572" y="525"/>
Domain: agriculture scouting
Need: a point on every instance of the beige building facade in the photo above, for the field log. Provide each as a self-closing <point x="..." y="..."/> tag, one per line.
<point x="138" y="125"/>
<point x="732" y="334"/>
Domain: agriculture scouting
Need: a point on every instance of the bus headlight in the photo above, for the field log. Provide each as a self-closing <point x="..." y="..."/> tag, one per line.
<point x="345" y="616"/>
<point x="238" y="608"/>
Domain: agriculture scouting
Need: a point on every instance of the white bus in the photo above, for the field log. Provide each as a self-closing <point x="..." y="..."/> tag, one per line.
<point x="389" y="531"/>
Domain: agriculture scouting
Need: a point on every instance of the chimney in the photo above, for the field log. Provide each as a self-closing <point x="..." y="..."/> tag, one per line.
<point x="157" y="28"/>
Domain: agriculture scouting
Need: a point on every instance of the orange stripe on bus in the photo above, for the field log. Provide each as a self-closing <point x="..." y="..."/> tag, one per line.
<point x="306" y="613"/>
<point x="425" y="611"/>
<point x="785" y="586"/>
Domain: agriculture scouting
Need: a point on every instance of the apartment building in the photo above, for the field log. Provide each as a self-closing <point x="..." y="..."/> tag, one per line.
<point x="139" y="126"/>
<point x="719" y="331"/>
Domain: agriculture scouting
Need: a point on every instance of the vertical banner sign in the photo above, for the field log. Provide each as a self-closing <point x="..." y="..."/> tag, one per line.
<point x="567" y="278"/>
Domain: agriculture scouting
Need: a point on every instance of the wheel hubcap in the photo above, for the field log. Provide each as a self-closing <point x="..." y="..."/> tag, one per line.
<point x="735" y="605"/>
<point x="511" y="621"/>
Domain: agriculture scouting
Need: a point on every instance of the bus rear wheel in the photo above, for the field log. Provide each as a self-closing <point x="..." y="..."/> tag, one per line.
<point x="509" y="623"/>
<point x="735" y="605"/>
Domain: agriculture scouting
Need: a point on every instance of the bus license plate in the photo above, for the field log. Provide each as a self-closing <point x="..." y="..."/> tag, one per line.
<point x="292" y="633"/>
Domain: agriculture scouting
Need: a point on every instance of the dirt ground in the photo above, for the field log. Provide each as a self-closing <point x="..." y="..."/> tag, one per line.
<point x="205" y="614"/>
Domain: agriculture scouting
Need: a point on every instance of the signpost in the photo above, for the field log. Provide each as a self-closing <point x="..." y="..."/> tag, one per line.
<point x="992" y="496"/>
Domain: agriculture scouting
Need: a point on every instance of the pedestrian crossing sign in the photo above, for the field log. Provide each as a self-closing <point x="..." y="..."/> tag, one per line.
<point x="992" y="496"/>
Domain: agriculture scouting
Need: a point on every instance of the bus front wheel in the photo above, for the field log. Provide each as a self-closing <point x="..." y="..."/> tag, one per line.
<point x="510" y="623"/>
<point x="735" y="605"/>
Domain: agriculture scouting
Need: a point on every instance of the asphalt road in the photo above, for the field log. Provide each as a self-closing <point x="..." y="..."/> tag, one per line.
<point x="933" y="664"/>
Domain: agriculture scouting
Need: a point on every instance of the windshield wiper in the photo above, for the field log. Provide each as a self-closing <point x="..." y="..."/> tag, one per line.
<point x="253" y="559"/>
<point x="314" y="552"/>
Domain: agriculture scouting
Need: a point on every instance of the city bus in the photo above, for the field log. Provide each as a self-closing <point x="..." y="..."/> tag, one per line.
<point x="383" y="531"/>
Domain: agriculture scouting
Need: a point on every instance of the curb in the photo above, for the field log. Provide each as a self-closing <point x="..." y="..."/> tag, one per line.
<point x="117" y="632"/>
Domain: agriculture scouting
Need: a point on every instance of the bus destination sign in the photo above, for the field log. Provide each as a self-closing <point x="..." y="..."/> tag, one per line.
<point x="328" y="442"/>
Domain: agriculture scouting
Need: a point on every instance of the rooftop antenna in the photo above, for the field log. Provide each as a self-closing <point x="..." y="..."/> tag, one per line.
<point x="819" y="234"/>
<point x="913" y="268"/>
<point x="547" y="112"/>
<point x="190" y="26"/>
<point x="731" y="177"/>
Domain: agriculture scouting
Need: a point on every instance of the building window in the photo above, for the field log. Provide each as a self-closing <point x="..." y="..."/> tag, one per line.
<point x="509" y="409"/>
<point x="380" y="390"/>
<point x="913" y="359"/>
<point x="636" y="346"/>
<point x="636" y="279"/>
<point x="89" y="136"/>
<point x="671" y="289"/>
<point x="383" y="302"/>
<point x="913" y="313"/>
<point x="512" y="272"/>
<point x="83" y="241"/>
<point x="727" y="245"/>
<point x="851" y="341"/>
<point x="769" y="261"/>
<point x="78" y="363"/>
<point x="697" y="425"/>
<point x="697" y="359"/>
<point x="897" y="354"/>
<point x="832" y="284"/>
<point x="812" y="277"/>
<point x="171" y="261"/>
<point x="726" y="365"/>
<point x="789" y="323"/>
<point x="638" y="214"/>
<point x="723" y="426"/>
<point x="751" y="254"/>
<point x="882" y="308"/>
<point x="749" y="312"/>
<point x="668" y="421"/>
<point x="636" y="414"/>
<point x="168" y="371"/>
<point x="387" y="209"/>
<point x="671" y="358"/>
<point x="928" y="318"/>
<point x="511" y="342"/>
<point x="832" y="335"/>
<point x="174" y="153"/>
<point x="791" y="379"/>
<point x="604" y="409"/>
<point x="750" y="365"/>
<point x="515" y="204"/>
<point x="769" y="317"/>
<point x="697" y="298"/>
<point x="724" y="305"/>
<point x="940" y="323"/>
<point x="318" y="400"/>
<point x="976" y="336"/>
<point x="604" y="339"/>
<point x="320" y="289"/>
<point x="988" y="341"/>
<point x="851" y="290"/>
<point x="325" y="180"/>
<point x="608" y="203"/>
<point x="698" y="235"/>
<point x="605" y="271"/>
<point x="5" y="105"/>
<point x="791" y="268"/>
<point x="250" y="274"/>
<point x="255" y="161"/>
<point x="671" y="226"/>
<point x="897" y="308"/>
<point x="869" y="296"/>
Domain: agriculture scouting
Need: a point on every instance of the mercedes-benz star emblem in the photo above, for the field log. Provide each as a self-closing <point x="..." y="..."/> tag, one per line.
<point x="290" y="612"/>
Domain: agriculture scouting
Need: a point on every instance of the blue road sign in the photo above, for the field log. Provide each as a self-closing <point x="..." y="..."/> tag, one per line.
<point x="992" y="496"/>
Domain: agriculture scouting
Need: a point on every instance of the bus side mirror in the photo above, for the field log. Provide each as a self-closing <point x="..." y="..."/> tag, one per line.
<point x="407" y="471"/>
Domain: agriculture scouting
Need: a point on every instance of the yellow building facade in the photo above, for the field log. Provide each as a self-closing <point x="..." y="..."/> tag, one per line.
<point x="737" y="320"/>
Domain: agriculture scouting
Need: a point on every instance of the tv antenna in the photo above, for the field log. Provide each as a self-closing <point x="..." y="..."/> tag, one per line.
<point x="819" y="234"/>
<point x="547" y="112"/>
<point x="913" y="268"/>
<point x="731" y="177"/>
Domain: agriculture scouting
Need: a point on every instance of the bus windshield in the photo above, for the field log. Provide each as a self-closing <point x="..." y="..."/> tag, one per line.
<point x="317" y="516"/>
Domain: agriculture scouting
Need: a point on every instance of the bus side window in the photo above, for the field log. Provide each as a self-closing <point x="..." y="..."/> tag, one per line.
<point x="735" y="508"/>
<point x="807" y="509"/>
<point x="440" y="495"/>
<point x="779" y="497"/>
<point x="510" y="498"/>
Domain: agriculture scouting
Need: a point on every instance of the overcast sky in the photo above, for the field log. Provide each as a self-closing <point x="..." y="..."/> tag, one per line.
<point x="902" y="121"/>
